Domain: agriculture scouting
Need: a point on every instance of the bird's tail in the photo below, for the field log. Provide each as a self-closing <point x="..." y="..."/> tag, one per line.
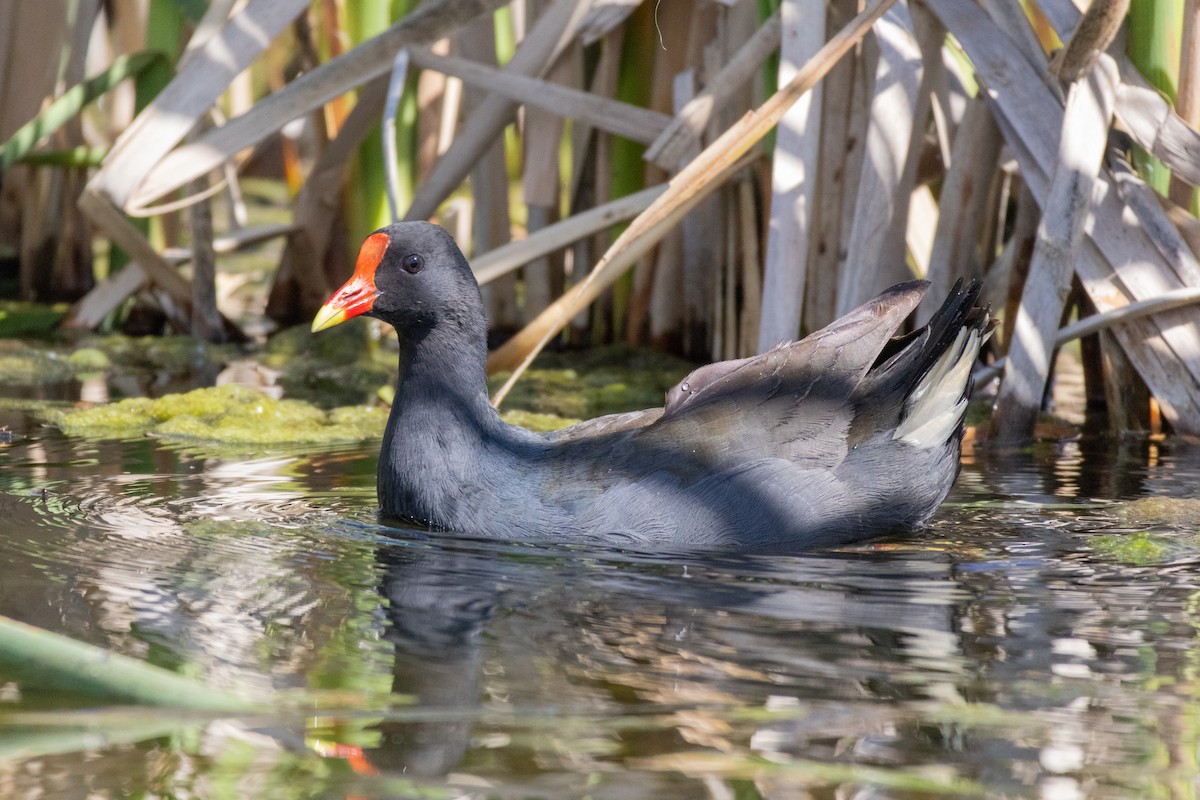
<point x="937" y="366"/>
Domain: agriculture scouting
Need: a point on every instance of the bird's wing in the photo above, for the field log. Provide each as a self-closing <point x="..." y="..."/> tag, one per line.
<point x="791" y="402"/>
<point x="700" y="378"/>
<point x="606" y="425"/>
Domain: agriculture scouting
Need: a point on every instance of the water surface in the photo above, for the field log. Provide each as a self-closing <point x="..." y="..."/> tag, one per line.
<point x="1036" y="641"/>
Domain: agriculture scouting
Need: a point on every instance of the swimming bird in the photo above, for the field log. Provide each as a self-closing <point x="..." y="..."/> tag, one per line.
<point x="847" y="434"/>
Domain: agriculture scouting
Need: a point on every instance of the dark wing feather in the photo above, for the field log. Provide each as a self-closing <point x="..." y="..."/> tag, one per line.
<point x="791" y="402"/>
<point x="608" y="424"/>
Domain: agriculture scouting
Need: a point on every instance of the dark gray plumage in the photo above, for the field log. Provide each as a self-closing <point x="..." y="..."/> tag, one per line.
<point x="842" y="436"/>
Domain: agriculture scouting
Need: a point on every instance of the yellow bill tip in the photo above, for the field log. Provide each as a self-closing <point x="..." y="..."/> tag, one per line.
<point x="327" y="317"/>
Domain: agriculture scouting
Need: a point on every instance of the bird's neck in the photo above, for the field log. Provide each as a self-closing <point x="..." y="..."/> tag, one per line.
<point x="441" y="430"/>
<point x="440" y="372"/>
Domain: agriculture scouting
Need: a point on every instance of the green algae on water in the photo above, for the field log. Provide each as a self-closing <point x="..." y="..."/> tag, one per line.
<point x="1179" y="512"/>
<point x="591" y="383"/>
<point x="174" y="354"/>
<point x="239" y="416"/>
<point x="1135" y="549"/>
<point x="233" y="415"/>
<point x="22" y="364"/>
<point x="1165" y="529"/>
<point x="25" y="363"/>
<point x="341" y="366"/>
<point x="90" y="359"/>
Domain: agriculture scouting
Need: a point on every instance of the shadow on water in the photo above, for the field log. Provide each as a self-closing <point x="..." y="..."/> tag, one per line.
<point x="1013" y="648"/>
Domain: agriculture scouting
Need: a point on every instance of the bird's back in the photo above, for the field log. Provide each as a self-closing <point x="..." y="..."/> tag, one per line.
<point x="793" y="448"/>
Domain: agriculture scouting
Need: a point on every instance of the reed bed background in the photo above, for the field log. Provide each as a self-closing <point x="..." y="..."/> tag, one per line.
<point x="707" y="177"/>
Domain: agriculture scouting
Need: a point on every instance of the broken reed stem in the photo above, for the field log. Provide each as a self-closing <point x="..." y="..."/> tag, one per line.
<point x="206" y="318"/>
<point x="1094" y="33"/>
<point x="1055" y="251"/>
<point x="391" y="108"/>
<point x="694" y="182"/>
<point x="61" y="663"/>
<point x="1167" y="301"/>
<point x="1187" y="97"/>
<point x="508" y="257"/>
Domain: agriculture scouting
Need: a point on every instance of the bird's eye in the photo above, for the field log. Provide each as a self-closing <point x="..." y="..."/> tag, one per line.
<point x="413" y="263"/>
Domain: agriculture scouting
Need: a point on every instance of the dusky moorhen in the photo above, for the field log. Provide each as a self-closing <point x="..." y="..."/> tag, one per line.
<point x="844" y="435"/>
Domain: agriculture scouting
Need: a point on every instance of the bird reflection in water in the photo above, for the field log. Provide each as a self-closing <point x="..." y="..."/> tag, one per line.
<point x="659" y="634"/>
